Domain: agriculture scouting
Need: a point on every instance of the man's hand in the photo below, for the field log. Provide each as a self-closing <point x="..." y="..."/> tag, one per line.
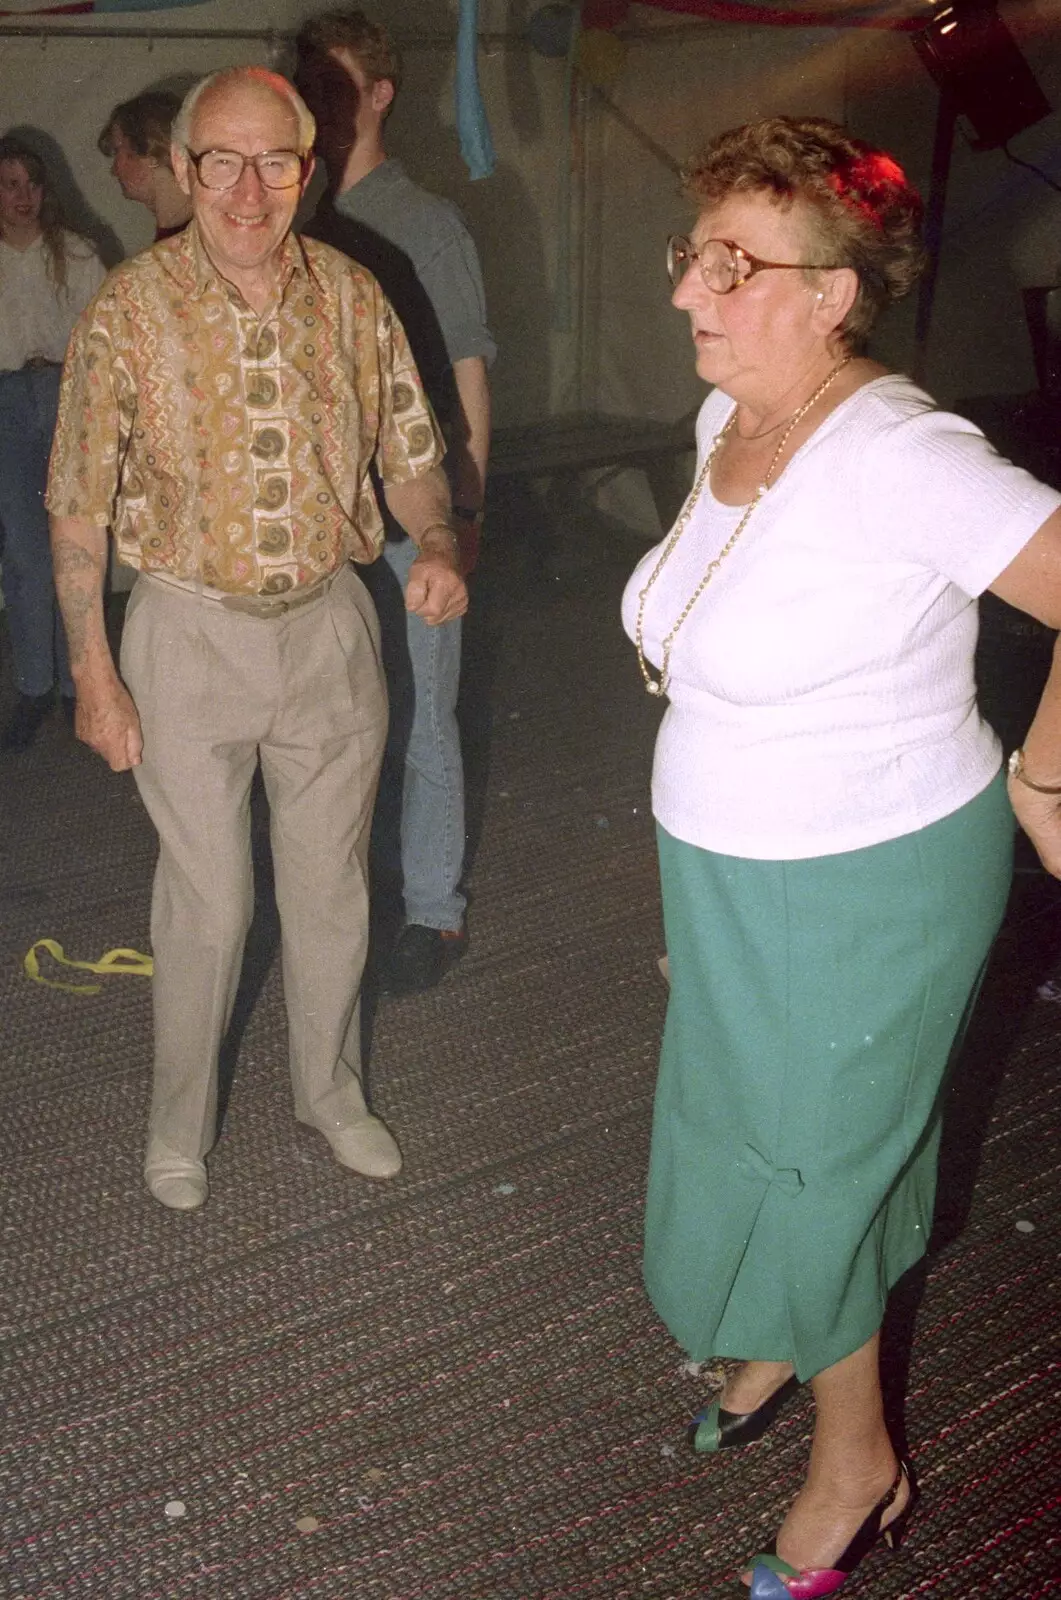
<point x="105" y="718"/>
<point x="1040" y="817"/>
<point x="107" y="721"/>
<point x="436" y="591"/>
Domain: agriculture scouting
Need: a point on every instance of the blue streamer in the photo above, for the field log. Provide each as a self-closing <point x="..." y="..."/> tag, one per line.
<point x="477" y="147"/>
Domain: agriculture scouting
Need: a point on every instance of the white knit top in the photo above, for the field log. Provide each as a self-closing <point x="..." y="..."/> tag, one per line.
<point x="822" y="694"/>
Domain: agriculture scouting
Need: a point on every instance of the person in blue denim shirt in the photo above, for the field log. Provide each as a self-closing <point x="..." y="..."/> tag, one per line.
<point x="47" y="277"/>
<point x="419" y="248"/>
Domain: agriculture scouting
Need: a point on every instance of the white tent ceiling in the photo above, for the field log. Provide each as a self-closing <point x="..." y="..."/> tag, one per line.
<point x="626" y="350"/>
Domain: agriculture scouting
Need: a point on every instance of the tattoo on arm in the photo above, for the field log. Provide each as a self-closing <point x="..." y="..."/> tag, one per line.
<point x="69" y="558"/>
<point x="79" y="587"/>
<point x="77" y="610"/>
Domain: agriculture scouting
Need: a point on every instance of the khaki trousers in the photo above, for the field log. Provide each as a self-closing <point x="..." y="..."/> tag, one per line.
<point x="215" y="691"/>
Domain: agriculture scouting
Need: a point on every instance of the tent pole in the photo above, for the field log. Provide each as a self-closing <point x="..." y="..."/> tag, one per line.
<point x="495" y="40"/>
<point x="424" y="41"/>
<point x="588" y="258"/>
<point x="635" y="129"/>
<point x="943" y="147"/>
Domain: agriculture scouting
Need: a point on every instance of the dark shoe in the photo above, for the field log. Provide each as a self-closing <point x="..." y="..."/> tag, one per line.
<point x="30" y="711"/>
<point x="714" y="1429"/>
<point x="774" y="1579"/>
<point x="68" y="706"/>
<point x="421" y="956"/>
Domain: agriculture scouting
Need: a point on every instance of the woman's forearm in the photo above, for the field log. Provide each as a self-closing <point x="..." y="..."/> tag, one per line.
<point x="1040" y="814"/>
<point x="1042" y="742"/>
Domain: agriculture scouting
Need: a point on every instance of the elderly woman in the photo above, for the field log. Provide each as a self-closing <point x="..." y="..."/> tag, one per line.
<point x="47" y="277"/>
<point x="834" y="832"/>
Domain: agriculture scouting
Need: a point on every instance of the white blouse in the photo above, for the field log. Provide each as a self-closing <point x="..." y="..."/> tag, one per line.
<point x="36" y="319"/>
<point x="822" y="695"/>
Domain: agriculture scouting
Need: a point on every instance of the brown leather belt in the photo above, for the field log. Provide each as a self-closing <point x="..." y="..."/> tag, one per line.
<point x="248" y="605"/>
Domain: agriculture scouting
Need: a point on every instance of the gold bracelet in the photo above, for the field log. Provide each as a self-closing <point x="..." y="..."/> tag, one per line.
<point x="1015" y="768"/>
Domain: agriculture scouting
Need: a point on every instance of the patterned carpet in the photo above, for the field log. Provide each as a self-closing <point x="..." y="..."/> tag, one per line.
<point x="452" y="1387"/>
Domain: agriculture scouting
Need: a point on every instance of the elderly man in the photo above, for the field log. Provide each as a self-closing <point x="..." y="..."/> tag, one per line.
<point x="419" y="248"/>
<point x="225" y="397"/>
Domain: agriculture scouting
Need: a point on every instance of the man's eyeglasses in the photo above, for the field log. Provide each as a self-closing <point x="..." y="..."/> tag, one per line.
<point x="222" y="169"/>
<point x="724" y="265"/>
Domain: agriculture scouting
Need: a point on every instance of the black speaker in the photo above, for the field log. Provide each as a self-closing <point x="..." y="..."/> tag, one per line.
<point x="975" y="61"/>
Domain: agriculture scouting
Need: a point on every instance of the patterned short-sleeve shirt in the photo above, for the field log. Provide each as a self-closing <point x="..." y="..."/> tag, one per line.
<point x="231" y="448"/>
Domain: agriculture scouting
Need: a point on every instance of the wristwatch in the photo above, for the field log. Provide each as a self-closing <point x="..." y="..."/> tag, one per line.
<point x="466" y="514"/>
<point x="1015" y="768"/>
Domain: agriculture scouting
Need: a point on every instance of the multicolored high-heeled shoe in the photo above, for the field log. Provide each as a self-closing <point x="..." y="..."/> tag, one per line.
<point x="715" y="1429"/>
<point x="774" y="1579"/>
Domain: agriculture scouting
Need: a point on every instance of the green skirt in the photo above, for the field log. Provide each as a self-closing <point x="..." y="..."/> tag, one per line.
<point x="814" y="1007"/>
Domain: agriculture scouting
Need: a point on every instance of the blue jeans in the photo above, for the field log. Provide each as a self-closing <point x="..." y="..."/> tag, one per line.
<point x="29" y="401"/>
<point x="419" y="841"/>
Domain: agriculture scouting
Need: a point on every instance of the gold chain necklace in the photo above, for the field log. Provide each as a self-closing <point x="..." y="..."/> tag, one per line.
<point x="661" y="685"/>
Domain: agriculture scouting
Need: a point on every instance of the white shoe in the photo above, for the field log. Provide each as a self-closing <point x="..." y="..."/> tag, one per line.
<point x="175" y="1181"/>
<point x="367" y="1147"/>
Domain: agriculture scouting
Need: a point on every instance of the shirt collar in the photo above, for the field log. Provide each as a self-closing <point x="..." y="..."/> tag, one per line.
<point x="185" y="258"/>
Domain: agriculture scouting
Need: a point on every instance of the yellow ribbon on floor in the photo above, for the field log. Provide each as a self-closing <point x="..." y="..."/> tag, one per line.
<point x="131" y="963"/>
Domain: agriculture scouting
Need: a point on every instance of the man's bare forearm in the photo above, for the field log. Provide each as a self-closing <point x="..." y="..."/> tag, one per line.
<point x="106" y="718"/>
<point x="422" y="506"/>
<point x="79" y="561"/>
<point x="436" y="591"/>
<point x="472" y="449"/>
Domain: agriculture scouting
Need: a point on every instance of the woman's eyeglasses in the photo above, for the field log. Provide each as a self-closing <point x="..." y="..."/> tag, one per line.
<point x="724" y="265"/>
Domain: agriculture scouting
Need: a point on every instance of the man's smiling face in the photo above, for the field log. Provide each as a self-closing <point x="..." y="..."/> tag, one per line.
<point x="243" y="227"/>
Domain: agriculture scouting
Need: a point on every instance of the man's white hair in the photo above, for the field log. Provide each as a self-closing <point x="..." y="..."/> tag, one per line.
<point x="260" y="77"/>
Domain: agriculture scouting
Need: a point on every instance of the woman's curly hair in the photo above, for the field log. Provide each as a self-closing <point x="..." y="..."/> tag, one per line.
<point x="863" y="212"/>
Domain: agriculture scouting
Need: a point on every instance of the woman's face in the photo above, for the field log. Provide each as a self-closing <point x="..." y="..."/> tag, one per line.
<point x="757" y="337"/>
<point x="20" y="200"/>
